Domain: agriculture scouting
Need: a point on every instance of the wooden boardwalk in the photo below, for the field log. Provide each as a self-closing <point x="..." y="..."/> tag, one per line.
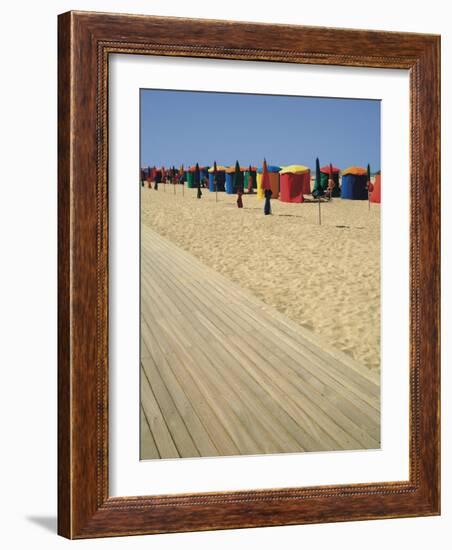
<point x="224" y="374"/>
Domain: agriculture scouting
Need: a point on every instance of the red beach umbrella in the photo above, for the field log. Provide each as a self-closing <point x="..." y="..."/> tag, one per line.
<point x="265" y="177"/>
<point x="266" y="186"/>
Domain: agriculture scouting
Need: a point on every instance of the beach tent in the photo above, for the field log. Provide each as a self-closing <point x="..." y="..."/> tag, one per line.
<point x="273" y="174"/>
<point x="145" y="176"/>
<point x="190" y="177"/>
<point x="221" y="177"/>
<point x="375" y="195"/>
<point x="203" y="172"/>
<point x="294" y="182"/>
<point x="247" y="173"/>
<point x="354" y="183"/>
<point x="324" y="175"/>
<point x="230" y="183"/>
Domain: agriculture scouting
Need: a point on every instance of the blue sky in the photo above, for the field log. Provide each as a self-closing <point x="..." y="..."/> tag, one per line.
<point x="187" y="127"/>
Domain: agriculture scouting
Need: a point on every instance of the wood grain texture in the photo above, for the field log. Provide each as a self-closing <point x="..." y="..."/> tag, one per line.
<point x="258" y="374"/>
<point x="64" y="295"/>
<point x="85" y="42"/>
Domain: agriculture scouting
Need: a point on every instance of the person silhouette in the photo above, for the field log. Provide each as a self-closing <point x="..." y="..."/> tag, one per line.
<point x="267" y="205"/>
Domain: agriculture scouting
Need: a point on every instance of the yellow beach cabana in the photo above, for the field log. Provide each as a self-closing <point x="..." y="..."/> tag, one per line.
<point x="273" y="175"/>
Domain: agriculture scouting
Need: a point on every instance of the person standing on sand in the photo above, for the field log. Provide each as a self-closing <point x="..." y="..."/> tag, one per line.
<point x="239" y="198"/>
<point x="158" y="178"/>
<point x="267" y="205"/>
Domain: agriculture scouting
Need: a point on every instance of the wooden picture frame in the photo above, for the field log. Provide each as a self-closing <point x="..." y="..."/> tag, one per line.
<point x="85" y="42"/>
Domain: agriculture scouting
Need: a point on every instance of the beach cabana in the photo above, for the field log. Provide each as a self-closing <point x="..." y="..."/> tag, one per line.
<point x="247" y="173"/>
<point x="273" y="174"/>
<point x="325" y="174"/>
<point x="221" y="178"/>
<point x="354" y="183"/>
<point x="190" y="177"/>
<point x="294" y="182"/>
<point x="230" y="183"/>
<point x="203" y="172"/>
<point x="375" y="195"/>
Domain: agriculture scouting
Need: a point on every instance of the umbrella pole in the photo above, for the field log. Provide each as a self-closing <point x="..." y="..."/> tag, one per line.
<point x="216" y="192"/>
<point x="320" y="215"/>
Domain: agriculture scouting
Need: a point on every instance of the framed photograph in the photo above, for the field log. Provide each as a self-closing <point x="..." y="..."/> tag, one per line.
<point x="248" y="275"/>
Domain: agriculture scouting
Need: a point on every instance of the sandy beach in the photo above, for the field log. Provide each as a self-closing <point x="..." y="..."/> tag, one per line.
<point x="324" y="277"/>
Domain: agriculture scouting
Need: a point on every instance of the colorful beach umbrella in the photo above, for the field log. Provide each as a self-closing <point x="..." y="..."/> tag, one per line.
<point x="239" y="184"/>
<point x="265" y="176"/>
<point x="369" y="186"/>
<point x="197" y="174"/>
<point x="318" y="190"/>
<point x="266" y="186"/>
<point x="198" y="181"/>
<point x="250" y="180"/>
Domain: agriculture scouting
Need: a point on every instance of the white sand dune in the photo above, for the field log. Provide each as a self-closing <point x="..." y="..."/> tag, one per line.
<point x="324" y="277"/>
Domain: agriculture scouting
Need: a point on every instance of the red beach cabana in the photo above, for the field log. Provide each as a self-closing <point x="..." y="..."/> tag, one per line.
<point x="375" y="195"/>
<point x="294" y="182"/>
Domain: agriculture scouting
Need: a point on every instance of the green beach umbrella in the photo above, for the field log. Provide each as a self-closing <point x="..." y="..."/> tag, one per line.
<point x="317" y="185"/>
<point x="198" y="181"/>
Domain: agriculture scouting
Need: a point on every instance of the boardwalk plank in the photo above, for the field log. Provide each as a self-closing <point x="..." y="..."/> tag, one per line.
<point x="148" y="448"/>
<point x="156" y="421"/>
<point x="230" y="375"/>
